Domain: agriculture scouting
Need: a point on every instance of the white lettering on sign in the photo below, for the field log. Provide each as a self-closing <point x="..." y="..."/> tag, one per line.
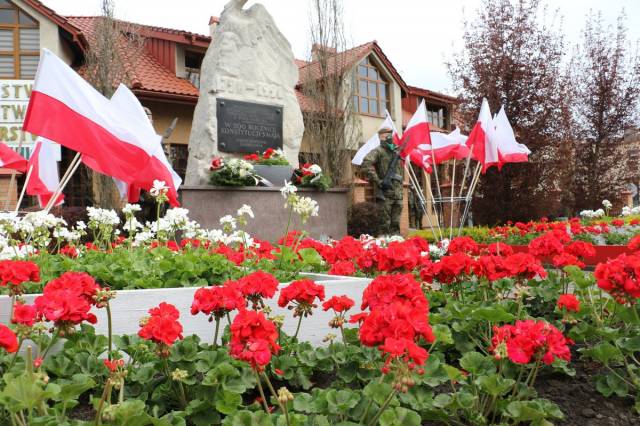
<point x="14" y="98"/>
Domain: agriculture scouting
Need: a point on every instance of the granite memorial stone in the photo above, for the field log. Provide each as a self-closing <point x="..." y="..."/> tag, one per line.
<point x="250" y="61"/>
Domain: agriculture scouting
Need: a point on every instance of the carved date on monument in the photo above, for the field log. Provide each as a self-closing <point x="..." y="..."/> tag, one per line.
<point x="248" y="127"/>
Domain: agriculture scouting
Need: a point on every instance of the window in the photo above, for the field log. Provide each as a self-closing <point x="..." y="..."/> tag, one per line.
<point x="192" y="65"/>
<point x="372" y="91"/>
<point x="19" y="43"/>
<point x="438" y="115"/>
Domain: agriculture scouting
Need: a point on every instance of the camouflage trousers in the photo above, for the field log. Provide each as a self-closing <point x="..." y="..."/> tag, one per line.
<point x="391" y="211"/>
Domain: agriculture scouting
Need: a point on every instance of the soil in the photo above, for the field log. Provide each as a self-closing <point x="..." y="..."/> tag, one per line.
<point x="581" y="402"/>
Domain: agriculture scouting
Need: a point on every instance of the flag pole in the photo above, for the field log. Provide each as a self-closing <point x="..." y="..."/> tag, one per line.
<point x="24" y="189"/>
<point x="56" y="193"/>
<point x="472" y="187"/>
<point x="415" y="178"/>
<point x="61" y="187"/>
<point x="435" y="171"/>
<point x="453" y="186"/>
<point x="12" y="181"/>
<point x="419" y="193"/>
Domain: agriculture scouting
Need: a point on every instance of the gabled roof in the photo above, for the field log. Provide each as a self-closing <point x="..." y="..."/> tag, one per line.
<point x="343" y="61"/>
<point x="60" y="21"/>
<point x="147" y="75"/>
<point x="417" y="91"/>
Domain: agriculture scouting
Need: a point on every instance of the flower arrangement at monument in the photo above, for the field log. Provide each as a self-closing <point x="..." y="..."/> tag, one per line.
<point x="460" y="333"/>
<point x="311" y="176"/>
<point x="270" y="157"/>
<point x="232" y="172"/>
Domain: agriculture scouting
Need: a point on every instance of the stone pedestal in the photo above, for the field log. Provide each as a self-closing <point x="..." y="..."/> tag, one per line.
<point x="207" y="204"/>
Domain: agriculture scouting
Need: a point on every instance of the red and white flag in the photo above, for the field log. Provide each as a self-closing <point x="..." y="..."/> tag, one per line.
<point x="374" y="141"/>
<point x="12" y="160"/>
<point x="509" y="150"/>
<point x="480" y="142"/>
<point x="65" y="108"/>
<point x="417" y="131"/>
<point x="44" y="178"/>
<point x="158" y="168"/>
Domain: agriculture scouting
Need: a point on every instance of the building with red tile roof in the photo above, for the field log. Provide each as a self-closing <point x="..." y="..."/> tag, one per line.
<point x="165" y="75"/>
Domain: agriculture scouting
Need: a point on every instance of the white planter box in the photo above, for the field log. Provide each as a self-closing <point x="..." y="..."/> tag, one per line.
<point x="131" y="305"/>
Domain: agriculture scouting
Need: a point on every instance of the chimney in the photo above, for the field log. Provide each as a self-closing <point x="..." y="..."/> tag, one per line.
<point x="213" y="23"/>
<point x="317" y="50"/>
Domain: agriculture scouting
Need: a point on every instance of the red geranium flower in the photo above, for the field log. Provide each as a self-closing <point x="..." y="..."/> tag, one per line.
<point x="386" y="289"/>
<point x="69" y="251"/>
<point x="581" y="249"/>
<point x="217" y="300"/>
<point x="529" y="340"/>
<point x="619" y="277"/>
<point x="449" y="269"/>
<point x="617" y="222"/>
<point x="257" y="286"/>
<point x="14" y="273"/>
<point x="546" y="245"/>
<point x="24" y="314"/>
<point x="162" y="326"/>
<point x="569" y="302"/>
<point x="398" y="255"/>
<point x="634" y="243"/>
<point x="253" y="339"/>
<point x="302" y="292"/>
<point x="338" y="304"/>
<point x="463" y="245"/>
<point x="67" y="300"/>
<point x="252" y="157"/>
<point x="524" y="265"/>
<point x="8" y="339"/>
<point x="566" y="259"/>
<point x="343" y="267"/>
<point x="500" y="249"/>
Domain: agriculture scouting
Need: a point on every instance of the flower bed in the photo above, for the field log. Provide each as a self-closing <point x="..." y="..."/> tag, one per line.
<point x="455" y="333"/>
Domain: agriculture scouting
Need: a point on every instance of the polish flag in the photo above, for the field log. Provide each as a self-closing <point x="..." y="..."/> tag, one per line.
<point x="44" y="179"/>
<point x="481" y="142"/>
<point x="509" y="150"/>
<point x="444" y="147"/>
<point x="374" y="141"/>
<point x="417" y="131"/>
<point x="65" y="108"/>
<point x="12" y="160"/>
<point x="158" y="168"/>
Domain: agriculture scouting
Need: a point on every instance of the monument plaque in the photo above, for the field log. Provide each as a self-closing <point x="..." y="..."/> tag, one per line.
<point x="248" y="127"/>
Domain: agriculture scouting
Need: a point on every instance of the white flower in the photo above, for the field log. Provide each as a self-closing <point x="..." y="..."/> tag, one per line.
<point x="177" y="217"/>
<point x="606" y="204"/>
<point x="245" y="210"/>
<point x="131" y="208"/>
<point x="288" y="189"/>
<point x="159" y="187"/>
<point x="102" y="216"/>
<point x="143" y="237"/>
<point x="132" y="225"/>
<point x="81" y="226"/>
<point x="228" y="221"/>
<point x="306" y="208"/>
<point x="626" y="211"/>
<point x="315" y="169"/>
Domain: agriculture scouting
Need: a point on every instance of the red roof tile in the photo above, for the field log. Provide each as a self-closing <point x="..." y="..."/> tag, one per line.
<point x="145" y="73"/>
<point x="431" y="94"/>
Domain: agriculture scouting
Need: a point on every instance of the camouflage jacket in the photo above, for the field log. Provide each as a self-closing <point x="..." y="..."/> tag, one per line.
<point x="375" y="166"/>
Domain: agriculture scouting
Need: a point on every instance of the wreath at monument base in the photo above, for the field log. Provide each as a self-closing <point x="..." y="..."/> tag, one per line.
<point x="234" y="172"/>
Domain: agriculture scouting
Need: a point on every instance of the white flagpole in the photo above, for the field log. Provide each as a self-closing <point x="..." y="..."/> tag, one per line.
<point x="24" y="189"/>
<point x="435" y="171"/>
<point x="61" y="187"/>
<point x="415" y="178"/>
<point x="419" y="193"/>
<point x="453" y="186"/>
<point x="72" y="166"/>
<point x="472" y="187"/>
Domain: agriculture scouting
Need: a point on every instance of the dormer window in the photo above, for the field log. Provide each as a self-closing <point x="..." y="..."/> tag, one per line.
<point x="372" y="91"/>
<point x="192" y="65"/>
<point x="19" y="43"/>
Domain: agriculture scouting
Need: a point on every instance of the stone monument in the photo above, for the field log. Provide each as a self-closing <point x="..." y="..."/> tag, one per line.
<point x="247" y="97"/>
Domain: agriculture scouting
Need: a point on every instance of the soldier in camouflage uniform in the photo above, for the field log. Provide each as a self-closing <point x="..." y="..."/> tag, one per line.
<point x="375" y="167"/>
